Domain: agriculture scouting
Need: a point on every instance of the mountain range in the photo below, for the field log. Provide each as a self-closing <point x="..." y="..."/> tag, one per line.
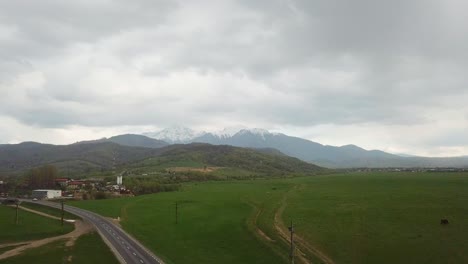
<point x="323" y="155"/>
<point x="119" y="150"/>
<point x="104" y="155"/>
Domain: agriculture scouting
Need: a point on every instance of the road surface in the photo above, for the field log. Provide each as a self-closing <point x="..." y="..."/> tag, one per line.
<point x="128" y="250"/>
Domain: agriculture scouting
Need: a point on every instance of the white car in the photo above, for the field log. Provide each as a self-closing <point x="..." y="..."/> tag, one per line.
<point x="34" y="199"/>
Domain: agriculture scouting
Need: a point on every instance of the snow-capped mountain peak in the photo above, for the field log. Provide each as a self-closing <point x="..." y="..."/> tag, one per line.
<point x="256" y="131"/>
<point x="228" y="131"/>
<point x="179" y="134"/>
<point x="259" y="131"/>
<point x="175" y="134"/>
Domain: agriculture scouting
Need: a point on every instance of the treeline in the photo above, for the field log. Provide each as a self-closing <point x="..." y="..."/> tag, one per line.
<point x="38" y="178"/>
<point x="192" y="176"/>
<point x="148" y="185"/>
<point x="153" y="187"/>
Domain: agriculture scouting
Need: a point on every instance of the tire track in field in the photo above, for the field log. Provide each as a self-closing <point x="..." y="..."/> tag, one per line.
<point x="301" y="244"/>
<point x="253" y="220"/>
<point x="259" y="230"/>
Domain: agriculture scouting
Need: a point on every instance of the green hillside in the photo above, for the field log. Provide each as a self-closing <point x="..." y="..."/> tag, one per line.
<point x="221" y="160"/>
<point x="74" y="158"/>
<point x="137" y="141"/>
<point x="98" y="158"/>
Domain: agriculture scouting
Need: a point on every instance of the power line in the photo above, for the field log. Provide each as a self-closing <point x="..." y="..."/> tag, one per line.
<point x="17" y="207"/>
<point x="63" y="212"/>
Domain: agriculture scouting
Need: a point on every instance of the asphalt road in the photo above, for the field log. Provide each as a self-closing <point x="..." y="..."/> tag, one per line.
<point x="129" y="250"/>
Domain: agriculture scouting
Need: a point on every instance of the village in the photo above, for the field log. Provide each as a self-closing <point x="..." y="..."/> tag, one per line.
<point x="83" y="189"/>
<point x="79" y="189"/>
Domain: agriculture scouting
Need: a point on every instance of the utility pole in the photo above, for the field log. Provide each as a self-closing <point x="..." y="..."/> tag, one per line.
<point x="291" y="253"/>
<point x="176" y="213"/>
<point x="17" y="207"/>
<point x="63" y="212"/>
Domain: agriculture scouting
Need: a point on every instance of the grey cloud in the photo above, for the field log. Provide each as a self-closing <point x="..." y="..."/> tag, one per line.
<point x="290" y="62"/>
<point x="42" y="27"/>
<point x="451" y="139"/>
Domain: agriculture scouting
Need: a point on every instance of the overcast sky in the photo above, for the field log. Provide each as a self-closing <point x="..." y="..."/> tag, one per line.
<point x="389" y="75"/>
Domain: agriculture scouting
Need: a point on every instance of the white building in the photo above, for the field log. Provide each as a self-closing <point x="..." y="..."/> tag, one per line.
<point x="119" y="180"/>
<point x="46" y="194"/>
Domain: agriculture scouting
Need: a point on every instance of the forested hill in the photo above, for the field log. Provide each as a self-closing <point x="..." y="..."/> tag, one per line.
<point x="252" y="160"/>
<point x="130" y="140"/>
<point x="79" y="159"/>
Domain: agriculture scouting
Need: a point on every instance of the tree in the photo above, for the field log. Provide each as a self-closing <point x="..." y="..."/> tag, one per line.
<point x="43" y="177"/>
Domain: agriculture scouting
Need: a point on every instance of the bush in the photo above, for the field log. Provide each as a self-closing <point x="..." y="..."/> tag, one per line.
<point x="100" y="196"/>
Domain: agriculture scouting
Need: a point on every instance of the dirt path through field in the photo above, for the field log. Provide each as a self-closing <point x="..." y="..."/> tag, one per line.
<point x="254" y="219"/>
<point x="302" y="246"/>
<point x="81" y="227"/>
<point x="39" y="213"/>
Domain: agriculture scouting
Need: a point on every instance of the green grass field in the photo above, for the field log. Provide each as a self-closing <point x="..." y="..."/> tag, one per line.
<point x="88" y="248"/>
<point x="352" y="218"/>
<point x="48" y="210"/>
<point x="30" y="226"/>
<point x="212" y="225"/>
<point x="384" y="218"/>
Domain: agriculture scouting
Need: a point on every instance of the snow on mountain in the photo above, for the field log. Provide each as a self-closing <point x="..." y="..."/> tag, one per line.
<point x="256" y="131"/>
<point x="228" y="131"/>
<point x="348" y="156"/>
<point x="179" y="134"/>
<point x="175" y="134"/>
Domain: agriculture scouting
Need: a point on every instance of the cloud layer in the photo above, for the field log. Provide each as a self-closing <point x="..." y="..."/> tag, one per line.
<point x="380" y="74"/>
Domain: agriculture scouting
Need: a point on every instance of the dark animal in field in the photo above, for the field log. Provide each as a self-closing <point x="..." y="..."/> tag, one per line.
<point x="444" y="221"/>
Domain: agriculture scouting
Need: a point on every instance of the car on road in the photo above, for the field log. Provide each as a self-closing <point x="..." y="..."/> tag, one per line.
<point x="34" y="199"/>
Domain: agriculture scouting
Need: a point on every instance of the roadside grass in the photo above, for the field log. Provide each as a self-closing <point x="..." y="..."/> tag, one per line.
<point x="352" y="218"/>
<point x="88" y="248"/>
<point x="110" y="207"/>
<point x="30" y="226"/>
<point x="48" y="210"/>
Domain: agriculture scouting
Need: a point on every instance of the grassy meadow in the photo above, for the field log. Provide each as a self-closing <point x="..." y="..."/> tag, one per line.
<point x="48" y="210"/>
<point x="30" y="226"/>
<point x="88" y="248"/>
<point x="212" y="222"/>
<point x="384" y="218"/>
<point x="351" y="218"/>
